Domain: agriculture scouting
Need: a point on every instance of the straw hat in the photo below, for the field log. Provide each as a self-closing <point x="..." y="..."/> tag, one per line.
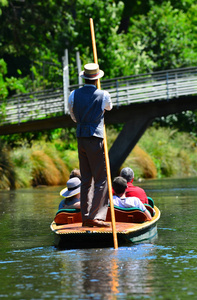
<point x="72" y="189"/>
<point x="91" y="72"/>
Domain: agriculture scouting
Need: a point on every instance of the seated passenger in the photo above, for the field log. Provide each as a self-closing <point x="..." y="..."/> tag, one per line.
<point x="133" y="191"/>
<point x="75" y="173"/>
<point x="119" y="199"/>
<point x="71" y="194"/>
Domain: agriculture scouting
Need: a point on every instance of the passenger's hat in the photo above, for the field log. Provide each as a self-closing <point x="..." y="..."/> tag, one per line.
<point x="72" y="189"/>
<point x="127" y="173"/>
<point x="91" y="72"/>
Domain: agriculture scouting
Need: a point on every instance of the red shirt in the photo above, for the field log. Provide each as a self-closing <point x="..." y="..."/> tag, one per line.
<point x="136" y="191"/>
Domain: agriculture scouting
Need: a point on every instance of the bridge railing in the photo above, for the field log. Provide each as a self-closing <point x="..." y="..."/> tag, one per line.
<point x="154" y="86"/>
<point x="123" y="90"/>
<point x="32" y="106"/>
<point x="150" y="87"/>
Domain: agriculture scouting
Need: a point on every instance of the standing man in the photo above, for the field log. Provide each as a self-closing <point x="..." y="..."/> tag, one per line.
<point x="87" y="106"/>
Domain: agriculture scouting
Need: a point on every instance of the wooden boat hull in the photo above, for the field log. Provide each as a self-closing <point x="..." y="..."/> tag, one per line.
<point x="72" y="236"/>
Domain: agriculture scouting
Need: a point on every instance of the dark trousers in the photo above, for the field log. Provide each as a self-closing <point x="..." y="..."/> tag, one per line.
<point x="94" y="189"/>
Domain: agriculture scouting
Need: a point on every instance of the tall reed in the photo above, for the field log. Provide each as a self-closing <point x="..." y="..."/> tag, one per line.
<point x="7" y="172"/>
<point x="161" y="152"/>
<point x="141" y="163"/>
<point x="45" y="171"/>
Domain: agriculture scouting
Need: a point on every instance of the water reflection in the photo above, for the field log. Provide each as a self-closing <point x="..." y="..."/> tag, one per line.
<point x="31" y="268"/>
<point x="108" y="272"/>
<point x="82" y="274"/>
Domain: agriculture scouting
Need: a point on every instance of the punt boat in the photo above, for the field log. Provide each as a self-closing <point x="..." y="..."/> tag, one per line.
<point x="131" y="227"/>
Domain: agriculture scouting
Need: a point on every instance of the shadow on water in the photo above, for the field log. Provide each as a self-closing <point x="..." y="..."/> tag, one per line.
<point x="162" y="268"/>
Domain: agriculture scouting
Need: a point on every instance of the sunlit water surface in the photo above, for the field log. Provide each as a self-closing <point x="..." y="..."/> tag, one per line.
<point x="163" y="268"/>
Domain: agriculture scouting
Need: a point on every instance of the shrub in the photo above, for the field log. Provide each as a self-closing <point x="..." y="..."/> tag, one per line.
<point x="7" y="173"/>
<point x="141" y="163"/>
<point x="22" y="166"/>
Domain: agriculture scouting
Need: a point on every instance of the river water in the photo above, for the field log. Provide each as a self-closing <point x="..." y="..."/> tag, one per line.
<point x="163" y="268"/>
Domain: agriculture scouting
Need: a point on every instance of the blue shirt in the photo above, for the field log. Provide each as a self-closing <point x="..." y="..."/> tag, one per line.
<point x="68" y="202"/>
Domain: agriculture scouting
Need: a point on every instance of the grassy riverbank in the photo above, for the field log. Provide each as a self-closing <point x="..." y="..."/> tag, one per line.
<point x="161" y="152"/>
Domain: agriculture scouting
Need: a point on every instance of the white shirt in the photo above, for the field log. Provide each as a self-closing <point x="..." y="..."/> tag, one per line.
<point x="128" y="202"/>
<point x="107" y="103"/>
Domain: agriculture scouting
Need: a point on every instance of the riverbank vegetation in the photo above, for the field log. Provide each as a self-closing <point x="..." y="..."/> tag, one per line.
<point x="161" y="152"/>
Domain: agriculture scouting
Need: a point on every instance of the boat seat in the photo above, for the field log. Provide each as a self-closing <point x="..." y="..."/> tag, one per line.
<point x="150" y="201"/>
<point x="68" y="216"/>
<point x="150" y="209"/>
<point x="127" y="215"/>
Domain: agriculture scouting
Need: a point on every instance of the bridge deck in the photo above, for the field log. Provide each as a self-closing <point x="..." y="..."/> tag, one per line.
<point x="164" y="85"/>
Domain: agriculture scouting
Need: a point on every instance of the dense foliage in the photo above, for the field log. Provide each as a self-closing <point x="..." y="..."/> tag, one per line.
<point x="132" y="37"/>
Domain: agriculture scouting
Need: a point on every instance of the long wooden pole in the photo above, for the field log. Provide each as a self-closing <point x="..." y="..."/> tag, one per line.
<point x="113" y="222"/>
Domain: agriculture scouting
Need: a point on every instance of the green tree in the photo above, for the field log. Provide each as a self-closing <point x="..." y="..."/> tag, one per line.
<point x="9" y="83"/>
<point x="37" y="32"/>
<point x="106" y="16"/>
<point x="2" y="4"/>
<point x="167" y="36"/>
<point x="114" y="57"/>
<point x="34" y="34"/>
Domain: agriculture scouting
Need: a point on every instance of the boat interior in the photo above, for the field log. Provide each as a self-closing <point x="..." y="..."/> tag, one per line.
<point x="126" y="215"/>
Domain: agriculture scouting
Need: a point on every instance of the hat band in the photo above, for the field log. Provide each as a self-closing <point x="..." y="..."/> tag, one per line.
<point x="74" y="188"/>
<point x="91" y="76"/>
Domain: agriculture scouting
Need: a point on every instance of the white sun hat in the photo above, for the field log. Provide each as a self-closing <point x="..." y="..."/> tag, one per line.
<point x="73" y="188"/>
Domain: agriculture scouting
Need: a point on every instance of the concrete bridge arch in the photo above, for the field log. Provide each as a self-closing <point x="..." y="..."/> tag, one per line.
<point x="137" y="118"/>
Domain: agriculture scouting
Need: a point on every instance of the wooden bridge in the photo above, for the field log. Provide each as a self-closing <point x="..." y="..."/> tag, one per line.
<point x="137" y="100"/>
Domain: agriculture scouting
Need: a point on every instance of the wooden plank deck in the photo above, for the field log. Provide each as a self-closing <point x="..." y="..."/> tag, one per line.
<point x="123" y="228"/>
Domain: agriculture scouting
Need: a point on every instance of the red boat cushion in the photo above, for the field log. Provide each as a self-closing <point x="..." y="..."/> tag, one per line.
<point x="125" y="215"/>
<point x="68" y="216"/>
